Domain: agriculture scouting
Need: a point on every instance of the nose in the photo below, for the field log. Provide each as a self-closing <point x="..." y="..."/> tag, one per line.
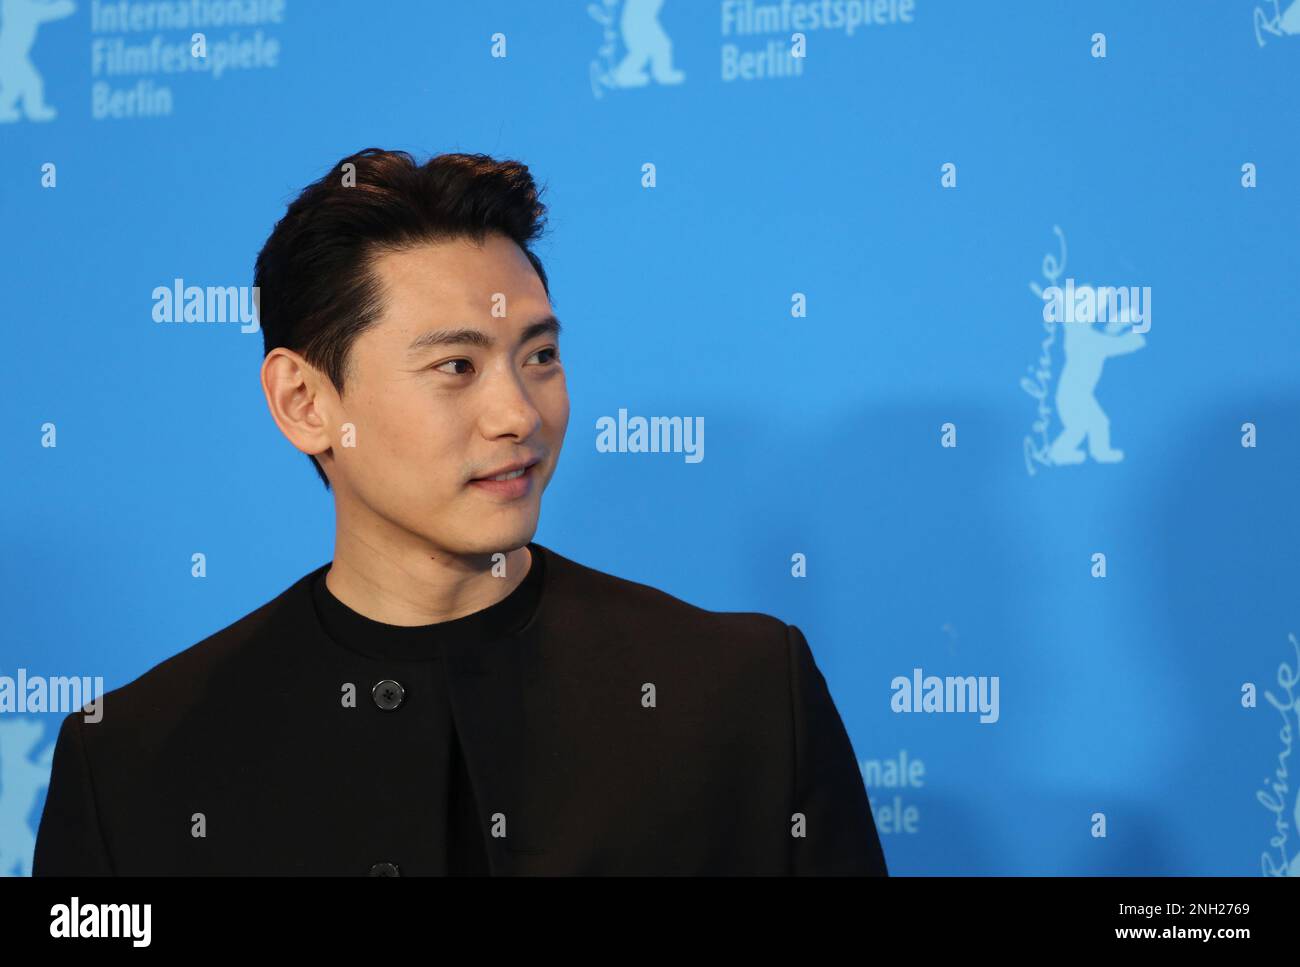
<point x="506" y="407"/>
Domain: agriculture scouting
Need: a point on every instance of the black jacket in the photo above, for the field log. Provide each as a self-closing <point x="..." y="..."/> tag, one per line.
<point x="243" y="737"/>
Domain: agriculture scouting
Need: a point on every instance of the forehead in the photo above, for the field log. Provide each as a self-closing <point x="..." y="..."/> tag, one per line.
<point x="433" y="281"/>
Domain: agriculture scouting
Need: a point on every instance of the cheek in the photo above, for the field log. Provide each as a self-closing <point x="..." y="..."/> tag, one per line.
<point x="564" y="422"/>
<point x="410" y="437"/>
<point x="556" y="409"/>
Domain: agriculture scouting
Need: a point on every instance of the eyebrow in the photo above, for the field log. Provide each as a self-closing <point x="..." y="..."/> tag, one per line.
<point x="465" y="336"/>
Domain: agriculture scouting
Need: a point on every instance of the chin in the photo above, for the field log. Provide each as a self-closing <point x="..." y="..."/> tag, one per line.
<point x="500" y="536"/>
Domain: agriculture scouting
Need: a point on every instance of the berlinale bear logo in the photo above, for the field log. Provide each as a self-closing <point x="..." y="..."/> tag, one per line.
<point x="644" y="40"/>
<point x="19" y="80"/>
<point x="1086" y="349"/>
<point x="1280" y="24"/>
<point x="1099" y="322"/>
<point x="22" y="776"/>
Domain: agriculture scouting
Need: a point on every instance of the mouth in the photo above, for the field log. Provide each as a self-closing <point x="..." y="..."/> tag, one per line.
<point x="510" y="482"/>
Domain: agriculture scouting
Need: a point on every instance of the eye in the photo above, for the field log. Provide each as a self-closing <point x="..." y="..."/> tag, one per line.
<point x="452" y="362"/>
<point x="553" y="350"/>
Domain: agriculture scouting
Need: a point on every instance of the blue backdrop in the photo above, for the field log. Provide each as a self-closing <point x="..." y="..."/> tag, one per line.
<point x="822" y="231"/>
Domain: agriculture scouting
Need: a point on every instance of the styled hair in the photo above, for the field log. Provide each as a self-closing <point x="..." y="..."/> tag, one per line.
<point x="317" y="287"/>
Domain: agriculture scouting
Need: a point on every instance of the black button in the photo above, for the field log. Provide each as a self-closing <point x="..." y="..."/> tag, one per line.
<point x="388" y="694"/>
<point x="384" y="869"/>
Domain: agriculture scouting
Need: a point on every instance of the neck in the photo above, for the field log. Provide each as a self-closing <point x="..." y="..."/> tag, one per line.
<point x="400" y="579"/>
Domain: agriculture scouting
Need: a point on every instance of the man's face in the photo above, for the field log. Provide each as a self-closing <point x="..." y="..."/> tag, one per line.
<point x="431" y="418"/>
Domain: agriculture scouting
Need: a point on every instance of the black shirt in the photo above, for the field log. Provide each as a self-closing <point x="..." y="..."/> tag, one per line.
<point x="427" y="644"/>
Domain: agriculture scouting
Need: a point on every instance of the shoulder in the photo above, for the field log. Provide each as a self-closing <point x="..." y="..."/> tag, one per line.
<point x="573" y="585"/>
<point x="588" y="601"/>
<point x="213" y="672"/>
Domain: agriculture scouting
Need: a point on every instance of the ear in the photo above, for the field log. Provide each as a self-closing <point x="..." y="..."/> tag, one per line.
<point x="301" y="399"/>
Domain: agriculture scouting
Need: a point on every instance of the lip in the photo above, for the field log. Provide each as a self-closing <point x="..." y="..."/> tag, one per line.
<point x="511" y="489"/>
<point x="507" y="468"/>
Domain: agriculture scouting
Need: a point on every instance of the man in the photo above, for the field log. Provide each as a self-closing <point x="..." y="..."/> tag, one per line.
<point x="447" y="696"/>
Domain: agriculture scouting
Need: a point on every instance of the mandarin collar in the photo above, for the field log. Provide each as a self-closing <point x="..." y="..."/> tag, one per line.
<point x="429" y="642"/>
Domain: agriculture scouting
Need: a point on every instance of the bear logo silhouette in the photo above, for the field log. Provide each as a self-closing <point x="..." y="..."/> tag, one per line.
<point x="19" y="79"/>
<point x="21" y="777"/>
<point x="1281" y="24"/>
<point x="1086" y="350"/>
<point x="645" y="42"/>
